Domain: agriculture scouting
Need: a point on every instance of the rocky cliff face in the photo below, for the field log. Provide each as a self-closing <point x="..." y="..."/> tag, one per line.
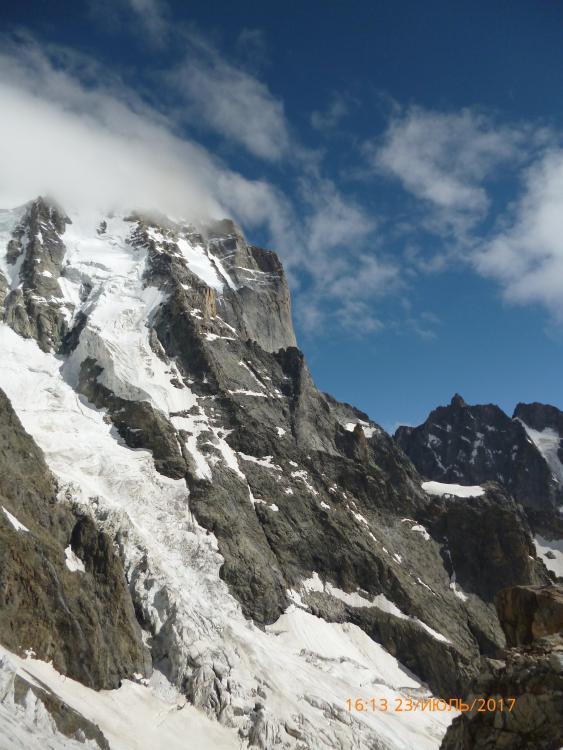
<point x="63" y="592"/>
<point x="528" y="614"/>
<point x="544" y="426"/>
<point x="476" y="444"/>
<point x="529" y="680"/>
<point x="35" y="306"/>
<point x="487" y="544"/>
<point x="268" y="533"/>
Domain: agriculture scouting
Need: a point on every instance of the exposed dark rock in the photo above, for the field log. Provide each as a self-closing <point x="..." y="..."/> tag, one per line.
<point x="442" y="665"/>
<point x="541" y="417"/>
<point x="3" y="289"/>
<point x="487" y="542"/>
<point x="337" y="500"/>
<point x="527" y="613"/>
<point x="15" y="246"/>
<point x="83" y="622"/>
<point x="530" y="683"/>
<point x="36" y="308"/>
<point x="259" y="308"/>
<point x="296" y="484"/>
<point x="549" y="420"/>
<point x="475" y="444"/>
<point x="138" y="424"/>
<point x="72" y="336"/>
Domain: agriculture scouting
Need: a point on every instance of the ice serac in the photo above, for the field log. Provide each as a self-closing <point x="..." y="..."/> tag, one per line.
<point x="279" y="548"/>
<point x="34" y="717"/>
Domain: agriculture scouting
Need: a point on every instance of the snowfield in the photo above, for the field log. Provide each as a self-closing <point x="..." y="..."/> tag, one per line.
<point x="459" y="490"/>
<point x="551" y="552"/>
<point x="134" y="717"/>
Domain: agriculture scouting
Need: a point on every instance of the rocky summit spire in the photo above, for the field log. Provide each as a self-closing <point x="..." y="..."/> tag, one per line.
<point x="473" y="444"/>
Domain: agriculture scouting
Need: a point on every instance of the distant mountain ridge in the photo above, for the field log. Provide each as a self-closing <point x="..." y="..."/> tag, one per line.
<point x="473" y="444"/>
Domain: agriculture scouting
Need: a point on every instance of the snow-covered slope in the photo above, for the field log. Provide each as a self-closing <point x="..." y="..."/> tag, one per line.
<point x="162" y="717"/>
<point x="548" y="442"/>
<point x="551" y="552"/>
<point x="154" y="365"/>
<point x="308" y="668"/>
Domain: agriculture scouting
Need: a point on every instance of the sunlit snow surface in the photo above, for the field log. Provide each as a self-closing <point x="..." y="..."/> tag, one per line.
<point x="459" y="490"/>
<point x="72" y="561"/>
<point x="547" y="442"/>
<point x="306" y="668"/>
<point x="134" y="717"/>
<point x="18" y="526"/>
<point x="369" y="430"/>
<point x="201" y="264"/>
<point x="551" y="552"/>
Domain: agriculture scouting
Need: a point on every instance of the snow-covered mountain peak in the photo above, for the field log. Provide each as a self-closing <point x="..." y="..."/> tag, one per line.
<point x="277" y="548"/>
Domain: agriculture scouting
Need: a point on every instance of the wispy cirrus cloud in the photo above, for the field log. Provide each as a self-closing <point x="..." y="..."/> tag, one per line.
<point x="525" y="254"/>
<point x="231" y="101"/>
<point x="152" y="15"/>
<point x="333" y="220"/>
<point x="345" y="257"/>
<point x="448" y="162"/>
<point x="145" y="21"/>
<point x="329" y="118"/>
<point x="252" y="48"/>
<point x="445" y="159"/>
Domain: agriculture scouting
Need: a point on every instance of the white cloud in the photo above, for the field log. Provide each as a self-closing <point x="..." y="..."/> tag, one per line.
<point x="87" y="148"/>
<point x="447" y="161"/>
<point x="338" y="108"/>
<point x="97" y="144"/>
<point x="343" y="259"/>
<point x="74" y="131"/>
<point x="526" y="255"/>
<point x="232" y="102"/>
<point x="371" y="277"/>
<point x="151" y="14"/>
<point x="444" y="159"/>
<point x="210" y="91"/>
<point x="333" y="220"/>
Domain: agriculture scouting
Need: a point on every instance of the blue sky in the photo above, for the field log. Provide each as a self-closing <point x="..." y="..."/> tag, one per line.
<point x="404" y="158"/>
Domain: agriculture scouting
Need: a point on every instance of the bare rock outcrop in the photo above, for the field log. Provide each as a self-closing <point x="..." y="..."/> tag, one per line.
<point x="517" y="704"/>
<point x="63" y="592"/>
<point x="527" y="613"/>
